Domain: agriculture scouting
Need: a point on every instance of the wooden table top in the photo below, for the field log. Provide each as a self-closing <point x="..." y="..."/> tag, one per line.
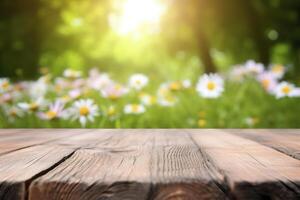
<point x="146" y="164"/>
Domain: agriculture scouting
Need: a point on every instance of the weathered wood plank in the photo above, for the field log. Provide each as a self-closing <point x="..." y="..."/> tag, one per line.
<point x="9" y="132"/>
<point x="181" y="170"/>
<point x="149" y="164"/>
<point x="115" y="169"/>
<point x="142" y="164"/>
<point x="19" y="168"/>
<point x="253" y="171"/>
<point x="30" y="137"/>
<point x="286" y="141"/>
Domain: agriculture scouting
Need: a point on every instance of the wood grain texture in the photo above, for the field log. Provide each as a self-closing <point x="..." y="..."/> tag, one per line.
<point x="181" y="170"/>
<point x="18" y="168"/>
<point x="21" y="166"/>
<point x="152" y="164"/>
<point x="253" y="171"/>
<point x="114" y="169"/>
<point x="286" y="141"/>
<point x="12" y="141"/>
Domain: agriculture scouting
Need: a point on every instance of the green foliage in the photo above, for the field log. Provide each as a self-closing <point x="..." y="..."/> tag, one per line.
<point x="195" y="36"/>
<point x="240" y="102"/>
<point x="77" y="34"/>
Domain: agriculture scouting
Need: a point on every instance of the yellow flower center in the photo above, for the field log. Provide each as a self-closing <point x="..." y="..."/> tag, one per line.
<point x="286" y="89"/>
<point x="277" y="68"/>
<point x="170" y="98"/>
<point x="66" y="98"/>
<point x="111" y="111"/>
<point x="5" y="85"/>
<point x="211" y="85"/>
<point x="13" y="113"/>
<point x="201" y="123"/>
<point x="266" y="83"/>
<point x="113" y="97"/>
<point x="84" y="111"/>
<point x="58" y="88"/>
<point x="51" y="114"/>
<point x="118" y="87"/>
<point x="152" y="100"/>
<point x="175" y="86"/>
<point x="135" y="108"/>
<point x="33" y="106"/>
<point x="138" y="82"/>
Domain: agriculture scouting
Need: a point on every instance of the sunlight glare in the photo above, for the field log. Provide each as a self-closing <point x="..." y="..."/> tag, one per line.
<point x="136" y="15"/>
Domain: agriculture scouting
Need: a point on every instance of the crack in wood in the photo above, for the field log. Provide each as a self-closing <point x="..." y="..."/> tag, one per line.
<point x="44" y="172"/>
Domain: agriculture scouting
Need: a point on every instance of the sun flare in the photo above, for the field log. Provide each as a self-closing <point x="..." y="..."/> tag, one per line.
<point x="137" y="15"/>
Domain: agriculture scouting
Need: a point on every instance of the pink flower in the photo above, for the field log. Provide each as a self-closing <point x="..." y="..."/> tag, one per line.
<point x="55" y="111"/>
<point x="268" y="81"/>
<point x="114" y="91"/>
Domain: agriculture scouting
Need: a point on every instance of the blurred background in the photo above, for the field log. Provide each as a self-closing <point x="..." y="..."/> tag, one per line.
<point x="153" y="36"/>
<point x="167" y="40"/>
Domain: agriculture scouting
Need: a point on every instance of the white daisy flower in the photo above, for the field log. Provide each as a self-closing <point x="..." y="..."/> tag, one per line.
<point x="134" y="109"/>
<point x="98" y="80"/>
<point x="186" y="83"/>
<point x="165" y="97"/>
<point x="175" y="86"/>
<point x="64" y="99"/>
<point x="4" y="85"/>
<point x="13" y="112"/>
<point x="84" y="110"/>
<point x="74" y="94"/>
<point x="254" y="67"/>
<point x="11" y="96"/>
<point x="61" y="84"/>
<point x="238" y="73"/>
<point x="33" y="105"/>
<point x="278" y="71"/>
<point x="94" y="73"/>
<point x="296" y="92"/>
<point x="167" y="100"/>
<point x="268" y="81"/>
<point x="251" y="121"/>
<point x="285" y="89"/>
<point x="138" y="81"/>
<point x="6" y="98"/>
<point x="147" y="99"/>
<point x="210" y="86"/>
<point x="111" y="113"/>
<point x="38" y="88"/>
<point x="114" y="91"/>
<point x="77" y="83"/>
<point x="70" y="73"/>
<point x="55" y="111"/>
<point x="163" y="89"/>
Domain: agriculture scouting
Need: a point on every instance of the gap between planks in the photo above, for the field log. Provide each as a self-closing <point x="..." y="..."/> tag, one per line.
<point x="18" y="168"/>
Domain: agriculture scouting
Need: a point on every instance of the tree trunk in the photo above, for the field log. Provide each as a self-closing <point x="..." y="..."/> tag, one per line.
<point x="20" y="50"/>
<point x="204" y="52"/>
<point x="257" y="32"/>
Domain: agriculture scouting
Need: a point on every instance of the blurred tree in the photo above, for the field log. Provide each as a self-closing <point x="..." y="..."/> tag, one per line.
<point x="75" y="33"/>
<point x="187" y="17"/>
<point x="20" y="37"/>
<point x="244" y="29"/>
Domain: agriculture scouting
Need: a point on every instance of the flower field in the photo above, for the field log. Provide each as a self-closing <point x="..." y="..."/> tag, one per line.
<point x="249" y="95"/>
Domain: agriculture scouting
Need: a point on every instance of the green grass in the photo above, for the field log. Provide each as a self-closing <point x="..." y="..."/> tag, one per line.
<point x="238" y="102"/>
